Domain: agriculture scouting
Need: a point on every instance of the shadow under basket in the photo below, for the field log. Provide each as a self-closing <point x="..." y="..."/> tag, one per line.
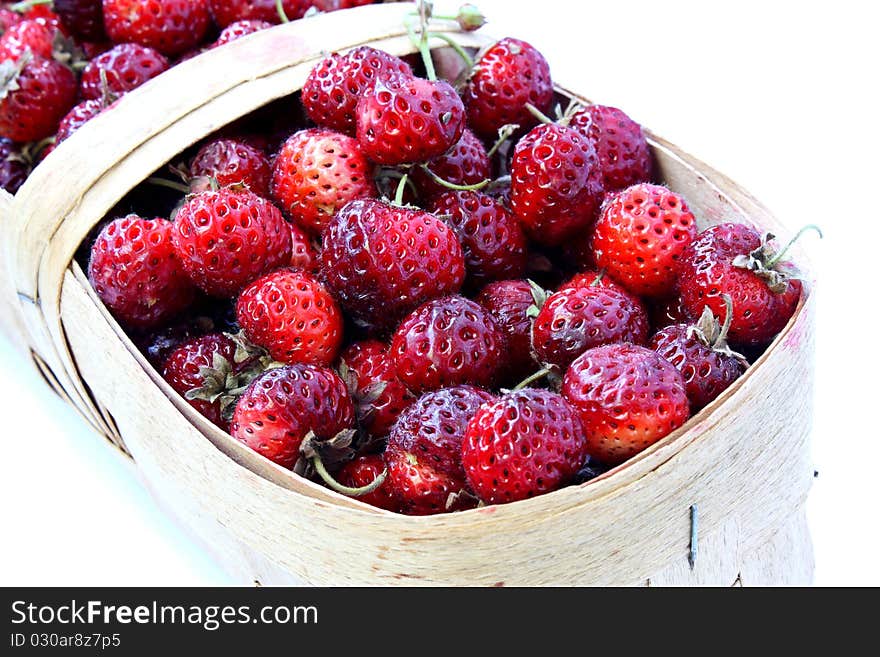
<point x="743" y="463"/>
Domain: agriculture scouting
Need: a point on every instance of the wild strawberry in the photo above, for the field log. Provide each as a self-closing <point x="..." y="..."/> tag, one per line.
<point x="624" y="156"/>
<point x="509" y="75"/>
<point x="303" y="253"/>
<point x="408" y="120"/>
<point x="233" y="162"/>
<point x="336" y="84"/>
<point x="362" y="471"/>
<point x="170" y="26"/>
<point x="448" y="341"/>
<point x="227" y="238"/>
<point x="527" y="443"/>
<point x="230" y="11"/>
<point x="494" y="243"/>
<point x="426" y="441"/>
<point x="78" y="117"/>
<point x="628" y="398"/>
<point x="240" y="29"/>
<point x="640" y="237"/>
<point x="509" y="302"/>
<point x="290" y="314"/>
<point x="381" y="261"/>
<point x="556" y="184"/>
<point x="13" y="168"/>
<point x="137" y="274"/>
<point x="83" y="19"/>
<point x="580" y="318"/>
<point x="316" y="173"/>
<point x="733" y="259"/>
<point x="372" y="382"/>
<point x="35" y="94"/>
<point x="126" y="67"/>
<point x="466" y="163"/>
<point x="281" y="407"/>
<point x="25" y="36"/>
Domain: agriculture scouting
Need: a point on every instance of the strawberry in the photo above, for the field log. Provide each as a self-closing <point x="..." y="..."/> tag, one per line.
<point x="733" y="259"/>
<point x="556" y="184"/>
<point x="316" y="173"/>
<point x="78" y="117"/>
<point x="35" y="94"/>
<point x="157" y="345"/>
<point x="233" y="162"/>
<point x="628" y="398"/>
<point x="290" y="314"/>
<point x="640" y="237"/>
<point x="240" y="29"/>
<point x="508" y="76"/>
<point x="28" y="35"/>
<point x="381" y="261"/>
<point x="372" y="382"/>
<point x="508" y="302"/>
<point x="282" y="406"/>
<point x="448" y="341"/>
<point x="364" y="470"/>
<point x="8" y="18"/>
<point x="170" y="26"/>
<point x="527" y="443"/>
<point x="13" y="168"/>
<point x="227" y="238"/>
<point x="426" y="442"/>
<point x="83" y="19"/>
<point x="303" y="253"/>
<point x="136" y="272"/>
<point x="466" y="163"/>
<point x="408" y="120"/>
<point x="624" y="156"/>
<point x="580" y="318"/>
<point x="667" y="311"/>
<point x="226" y="12"/>
<point x="125" y="67"/>
<point x="336" y="84"/>
<point x="594" y="278"/>
<point x="493" y="242"/>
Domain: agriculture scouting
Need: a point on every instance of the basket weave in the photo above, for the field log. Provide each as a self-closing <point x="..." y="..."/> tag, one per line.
<point x="743" y="462"/>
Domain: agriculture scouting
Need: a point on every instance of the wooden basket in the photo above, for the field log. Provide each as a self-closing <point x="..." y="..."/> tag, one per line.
<point x="743" y="462"/>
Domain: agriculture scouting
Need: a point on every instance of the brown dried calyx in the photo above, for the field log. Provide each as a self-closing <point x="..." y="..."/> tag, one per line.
<point x="712" y="333"/>
<point x="765" y="261"/>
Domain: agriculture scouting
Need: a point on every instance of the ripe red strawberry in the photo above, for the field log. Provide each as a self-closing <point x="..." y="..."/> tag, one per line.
<point x="83" y="19"/>
<point x="290" y="314"/>
<point x="136" y="273"/>
<point x="425" y="446"/>
<point x="509" y="303"/>
<point x="448" y="341"/>
<point x="8" y="18"/>
<point x="227" y="238"/>
<point x="594" y="278"/>
<point x="527" y="443"/>
<point x="157" y="345"/>
<point x="28" y="35"/>
<point x="466" y="163"/>
<point x="509" y="75"/>
<point x="35" y="94"/>
<point x="233" y="162"/>
<point x="316" y="173"/>
<point x="336" y="84"/>
<point x="303" y="253"/>
<point x="624" y="156"/>
<point x="668" y="311"/>
<point x="556" y="184"/>
<point x="580" y="318"/>
<point x="78" y="117"/>
<point x="493" y="241"/>
<point x="408" y="120"/>
<point x="13" y="168"/>
<point x="240" y="29"/>
<point x="230" y="11"/>
<point x="372" y="382"/>
<point x="381" y="261"/>
<point x="126" y="67"/>
<point x="628" y="398"/>
<point x="170" y="26"/>
<point x="733" y="259"/>
<point x="363" y="471"/>
<point x="640" y="237"/>
<point x="284" y="405"/>
<point x="42" y="13"/>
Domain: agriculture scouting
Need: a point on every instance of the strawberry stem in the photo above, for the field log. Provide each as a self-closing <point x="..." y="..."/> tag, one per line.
<point x="401" y="187"/>
<point x="24" y="5"/>
<point x="459" y="50"/>
<point x="538" y="114"/>
<point x="504" y="133"/>
<point x="170" y="184"/>
<point x="728" y="318"/>
<point x="279" y="5"/>
<point x="776" y="258"/>
<point x="598" y="278"/>
<point x="537" y="376"/>
<point x="347" y="490"/>
<point x="458" y="188"/>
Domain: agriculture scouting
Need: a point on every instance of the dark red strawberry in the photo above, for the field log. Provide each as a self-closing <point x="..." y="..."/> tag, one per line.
<point x="334" y="87"/>
<point x="494" y="243"/>
<point x="381" y="261"/>
<point x="556" y="184"/>
<point x="466" y="163"/>
<point x="8" y="18"/>
<point x="408" y="120"/>
<point x="734" y="259"/>
<point x="290" y="314"/>
<point x="509" y="303"/>
<point x="316" y="173"/>
<point x="640" y="237"/>
<point x="137" y="274"/>
<point x="157" y="345"/>
<point x="240" y="29"/>
<point x="227" y="238"/>
<point x="527" y="443"/>
<point x="372" y="382"/>
<point x="13" y="167"/>
<point x="78" y="117"/>
<point x="230" y="11"/>
<point x="509" y="75"/>
<point x="304" y="256"/>
<point x="170" y="26"/>
<point x="35" y="94"/>
<point x="446" y="342"/>
<point x="32" y="36"/>
<point x="624" y="156"/>
<point x="666" y="312"/>
<point x="283" y="406"/>
<point x="628" y="398"/>
<point x="83" y="19"/>
<point x="126" y="67"/>
<point x="422" y="489"/>
<point x="363" y="471"/>
<point x="233" y="162"/>
<point x="594" y="278"/>
<point x="40" y="12"/>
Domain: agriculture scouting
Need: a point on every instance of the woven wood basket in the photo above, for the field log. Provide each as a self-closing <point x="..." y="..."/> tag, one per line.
<point x="743" y="462"/>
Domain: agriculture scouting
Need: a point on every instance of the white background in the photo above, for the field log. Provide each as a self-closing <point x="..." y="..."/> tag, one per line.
<point x="778" y="95"/>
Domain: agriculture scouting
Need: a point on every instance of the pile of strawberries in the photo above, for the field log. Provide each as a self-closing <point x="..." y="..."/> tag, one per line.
<point x="363" y="293"/>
